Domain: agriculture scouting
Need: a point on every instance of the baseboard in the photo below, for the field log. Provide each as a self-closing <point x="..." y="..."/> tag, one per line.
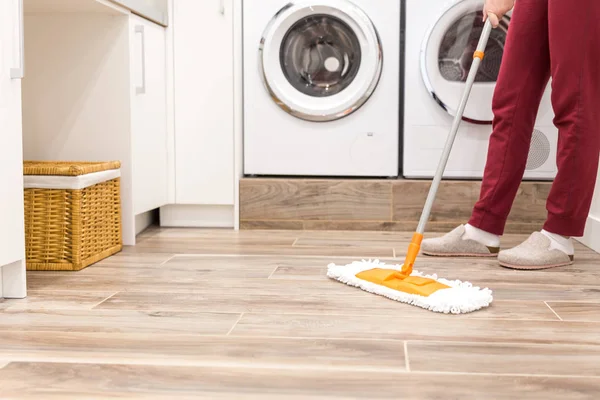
<point x="375" y="204"/>
<point x="197" y="216"/>
<point x="591" y="238"/>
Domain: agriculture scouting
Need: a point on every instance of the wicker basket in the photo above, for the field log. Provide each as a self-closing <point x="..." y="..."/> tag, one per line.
<point x="72" y="214"/>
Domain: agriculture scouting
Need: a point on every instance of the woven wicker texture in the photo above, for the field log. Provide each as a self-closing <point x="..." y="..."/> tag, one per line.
<point x="67" y="168"/>
<point x="72" y="229"/>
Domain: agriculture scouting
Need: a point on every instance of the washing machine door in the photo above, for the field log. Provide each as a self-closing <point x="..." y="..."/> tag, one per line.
<point x="321" y="60"/>
<point x="447" y="54"/>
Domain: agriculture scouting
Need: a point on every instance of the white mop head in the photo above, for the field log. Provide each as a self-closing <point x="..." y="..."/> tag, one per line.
<point x="460" y="298"/>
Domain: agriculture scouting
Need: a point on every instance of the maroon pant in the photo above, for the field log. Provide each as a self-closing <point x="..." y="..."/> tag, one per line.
<point x="546" y="38"/>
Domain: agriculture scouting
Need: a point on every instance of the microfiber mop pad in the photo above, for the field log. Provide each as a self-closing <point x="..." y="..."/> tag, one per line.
<point x="458" y="298"/>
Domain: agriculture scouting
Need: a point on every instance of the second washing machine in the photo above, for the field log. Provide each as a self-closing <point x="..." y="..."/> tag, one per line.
<point x="441" y="37"/>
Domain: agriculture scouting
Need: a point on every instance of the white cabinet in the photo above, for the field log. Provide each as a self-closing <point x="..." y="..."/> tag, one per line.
<point x="204" y="102"/>
<point x="12" y="236"/>
<point x="148" y="114"/>
<point x="96" y="90"/>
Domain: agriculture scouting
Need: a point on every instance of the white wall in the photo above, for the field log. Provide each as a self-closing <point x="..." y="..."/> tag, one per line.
<point x="76" y="96"/>
<point x="592" y="231"/>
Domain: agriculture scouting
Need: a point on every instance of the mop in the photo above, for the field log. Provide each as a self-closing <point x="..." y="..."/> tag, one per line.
<point x="402" y="283"/>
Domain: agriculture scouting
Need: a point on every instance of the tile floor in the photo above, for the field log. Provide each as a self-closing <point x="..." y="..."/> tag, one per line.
<point x="216" y="314"/>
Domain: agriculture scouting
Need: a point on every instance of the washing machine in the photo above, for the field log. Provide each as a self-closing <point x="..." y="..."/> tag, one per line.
<point x="440" y="39"/>
<point x="321" y="87"/>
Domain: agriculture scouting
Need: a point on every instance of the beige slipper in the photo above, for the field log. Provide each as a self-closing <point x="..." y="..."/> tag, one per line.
<point x="535" y="253"/>
<point x="453" y="245"/>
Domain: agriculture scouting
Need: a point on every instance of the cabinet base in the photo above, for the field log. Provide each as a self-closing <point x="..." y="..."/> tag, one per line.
<point x="197" y="216"/>
<point x="13" y="280"/>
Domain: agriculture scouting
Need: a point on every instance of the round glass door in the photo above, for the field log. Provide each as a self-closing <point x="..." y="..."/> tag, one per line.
<point x="321" y="62"/>
<point x="447" y="55"/>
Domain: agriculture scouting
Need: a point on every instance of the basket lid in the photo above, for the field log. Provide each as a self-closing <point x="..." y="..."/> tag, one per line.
<point x="67" y="168"/>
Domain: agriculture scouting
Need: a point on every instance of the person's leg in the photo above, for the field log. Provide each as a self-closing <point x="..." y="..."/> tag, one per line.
<point x="523" y="78"/>
<point x="574" y="43"/>
<point x="575" y="60"/>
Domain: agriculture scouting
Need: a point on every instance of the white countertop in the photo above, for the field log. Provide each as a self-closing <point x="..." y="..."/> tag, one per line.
<point x="154" y="10"/>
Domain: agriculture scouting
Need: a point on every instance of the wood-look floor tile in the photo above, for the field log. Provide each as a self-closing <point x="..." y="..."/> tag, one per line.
<point x="546" y="292"/>
<point x="434" y="327"/>
<point x="527" y="359"/>
<point x="178" y="281"/>
<point x="570" y="284"/>
<point x="122" y="321"/>
<point x="124" y="259"/>
<point x="573" y="311"/>
<point x="260" y="301"/>
<point x="344" y="243"/>
<point x="194" y="246"/>
<point x="223" y="234"/>
<point x="480" y="272"/>
<point x="402" y="236"/>
<point x="187" y="349"/>
<point x="274" y="300"/>
<point x="181" y="269"/>
<point x="301" y="273"/>
<point x="182" y="293"/>
<point x="134" y="381"/>
<point x="241" y="242"/>
<point x="52" y="300"/>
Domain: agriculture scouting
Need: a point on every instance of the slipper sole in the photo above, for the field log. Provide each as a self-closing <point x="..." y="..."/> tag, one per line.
<point x="469" y="255"/>
<point x="534" y="267"/>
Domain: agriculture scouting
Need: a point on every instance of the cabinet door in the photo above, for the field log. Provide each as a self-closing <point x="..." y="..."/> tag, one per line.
<point x="203" y="64"/>
<point x="12" y="236"/>
<point x="148" y="114"/>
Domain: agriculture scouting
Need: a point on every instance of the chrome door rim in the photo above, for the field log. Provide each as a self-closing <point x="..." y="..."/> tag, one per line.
<point x="368" y="29"/>
<point x="423" y="63"/>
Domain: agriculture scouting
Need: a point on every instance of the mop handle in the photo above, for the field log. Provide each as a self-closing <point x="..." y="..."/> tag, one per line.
<point x="415" y="244"/>
<point x="477" y="58"/>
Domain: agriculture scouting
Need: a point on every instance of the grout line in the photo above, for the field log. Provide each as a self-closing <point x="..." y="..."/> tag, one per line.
<point x="406" y="360"/>
<point x="106" y="299"/>
<point x="551" y="309"/>
<point x="167" y="260"/>
<point x="585" y="301"/>
<point x="235" y="324"/>
<point x="272" y="273"/>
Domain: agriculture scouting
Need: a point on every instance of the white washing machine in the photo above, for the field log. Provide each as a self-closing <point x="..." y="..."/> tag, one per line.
<point x="321" y="87"/>
<point x="440" y="39"/>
